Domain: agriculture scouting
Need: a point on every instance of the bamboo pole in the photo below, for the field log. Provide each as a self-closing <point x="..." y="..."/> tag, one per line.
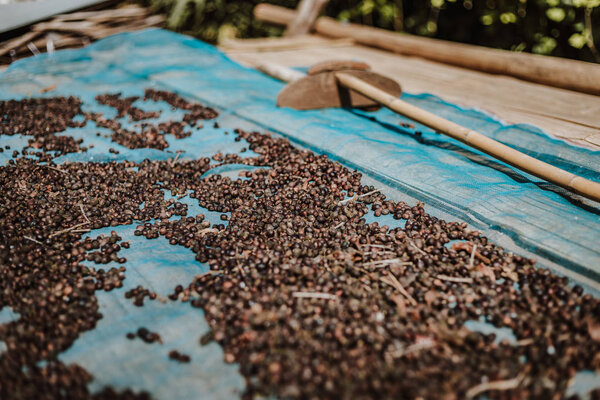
<point x="563" y="73"/>
<point x="513" y="157"/>
<point x="279" y="72"/>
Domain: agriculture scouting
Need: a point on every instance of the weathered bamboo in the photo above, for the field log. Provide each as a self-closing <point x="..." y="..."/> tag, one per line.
<point x="563" y="73"/>
<point x="308" y="11"/>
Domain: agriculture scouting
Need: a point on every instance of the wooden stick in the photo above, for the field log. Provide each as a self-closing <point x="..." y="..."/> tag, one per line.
<point x="308" y="11"/>
<point x="68" y="229"/>
<point x="563" y="73"/>
<point x="104" y="15"/>
<point x="281" y="44"/>
<point x="61" y="42"/>
<point x="33" y="240"/>
<point x="454" y="279"/>
<point x="355" y="197"/>
<point x="395" y="283"/>
<point x="315" y="295"/>
<point x="475" y="139"/>
<point x="279" y="72"/>
<point x="507" y="384"/>
<point x="59" y="26"/>
<point x="14" y="44"/>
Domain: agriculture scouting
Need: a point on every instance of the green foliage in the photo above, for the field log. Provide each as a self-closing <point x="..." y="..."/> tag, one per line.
<point x="214" y="20"/>
<point x="565" y="28"/>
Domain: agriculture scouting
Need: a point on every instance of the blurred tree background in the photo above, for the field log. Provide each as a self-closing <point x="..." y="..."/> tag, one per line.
<point x="564" y="28"/>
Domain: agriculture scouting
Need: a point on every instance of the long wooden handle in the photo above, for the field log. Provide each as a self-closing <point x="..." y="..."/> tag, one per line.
<point x="526" y="163"/>
<point x="563" y="73"/>
<point x="280" y="72"/>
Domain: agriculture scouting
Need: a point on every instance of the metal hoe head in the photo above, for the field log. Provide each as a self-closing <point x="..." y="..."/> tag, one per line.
<point x="320" y="88"/>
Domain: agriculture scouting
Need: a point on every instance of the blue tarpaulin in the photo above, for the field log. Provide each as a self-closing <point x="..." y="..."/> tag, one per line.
<point x="520" y="212"/>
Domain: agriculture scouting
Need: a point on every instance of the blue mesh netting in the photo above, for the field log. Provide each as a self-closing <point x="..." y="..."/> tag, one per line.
<point x="521" y="212"/>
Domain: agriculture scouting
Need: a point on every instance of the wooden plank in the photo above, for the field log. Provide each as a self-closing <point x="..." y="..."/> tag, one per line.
<point x="279" y="44"/>
<point x="563" y="113"/>
<point x="593" y="139"/>
<point x="130" y="11"/>
<point x="564" y="73"/>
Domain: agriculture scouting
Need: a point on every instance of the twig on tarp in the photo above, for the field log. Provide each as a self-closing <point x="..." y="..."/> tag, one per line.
<point x="315" y="295"/>
<point x="377" y="246"/>
<point x="56" y="169"/>
<point x="383" y="263"/>
<point x="472" y="258"/>
<point x="34" y="240"/>
<point x="416" y="247"/>
<point x="48" y="89"/>
<point x="207" y="230"/>
<point x="395" y="283"/>
<point x="356" y="197"/>
<point x="83" y="212"/>
<point x="68" y="229"/>
<point x="454" y="279"/>
<point x="507" y="384"/>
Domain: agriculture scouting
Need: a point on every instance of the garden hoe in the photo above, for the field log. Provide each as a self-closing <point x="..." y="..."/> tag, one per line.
<point x="352" y="84"/>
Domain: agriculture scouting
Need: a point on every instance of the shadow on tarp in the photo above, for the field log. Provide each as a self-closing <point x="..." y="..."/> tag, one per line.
<point x="516" y="210"/>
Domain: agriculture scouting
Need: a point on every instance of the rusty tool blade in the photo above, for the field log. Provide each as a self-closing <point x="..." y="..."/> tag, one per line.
<point x="320" y="89"/>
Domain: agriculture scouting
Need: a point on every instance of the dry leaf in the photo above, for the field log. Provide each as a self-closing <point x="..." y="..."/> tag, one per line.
<point x="48" y="89"/>
<point x="430" y="297"/>
<point x="400" y="304"/>
<point x="594" y="330"/>
<point x="486" y="271"/>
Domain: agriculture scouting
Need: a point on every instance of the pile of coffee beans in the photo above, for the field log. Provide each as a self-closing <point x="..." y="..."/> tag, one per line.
<point x="310" y="299"/>
<point x="150" y="135"/>
<point x="44" y="118"/>
<point x="145" y="335"/>
<point x="177" y="356"/>
<point x="138" y="294"/>
<point x="124" y="106"/>
<point x="195" y="111"/>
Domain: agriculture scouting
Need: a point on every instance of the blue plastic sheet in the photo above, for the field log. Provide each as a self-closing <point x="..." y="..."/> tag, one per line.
<point x="520" y="212"/>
